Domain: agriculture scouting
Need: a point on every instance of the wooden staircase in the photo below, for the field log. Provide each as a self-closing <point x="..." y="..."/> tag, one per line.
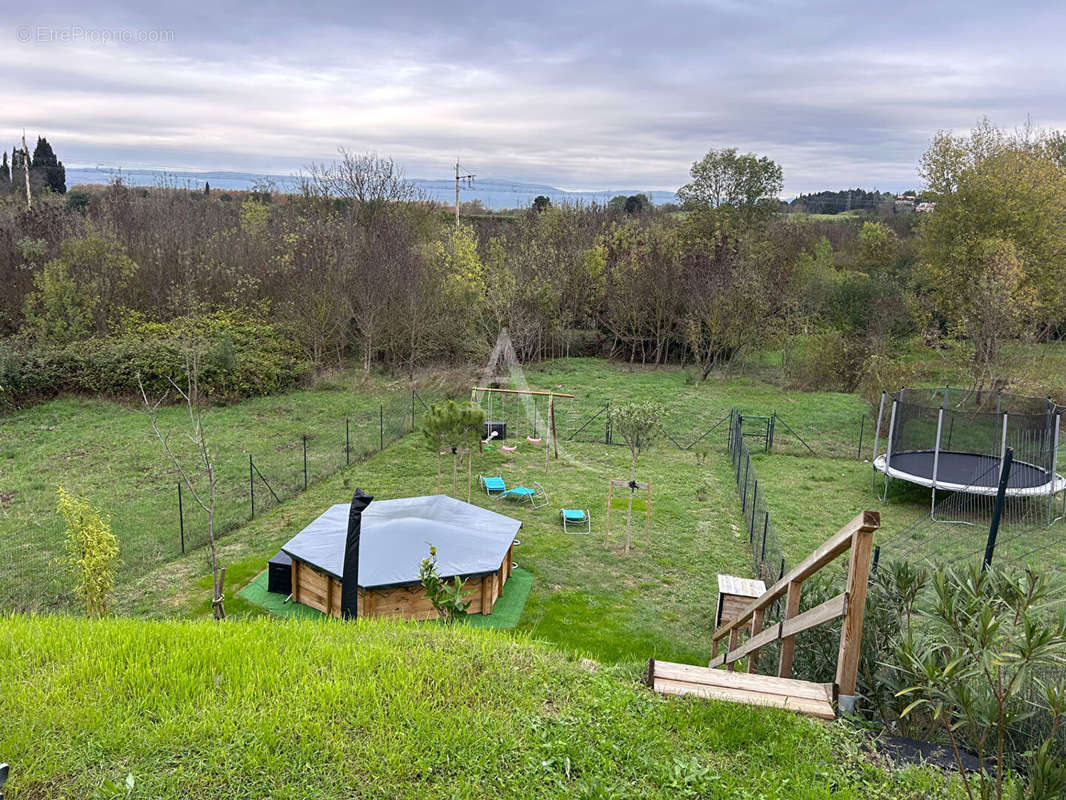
<point x="813" y="699"/>
<point x="783" y="691"/>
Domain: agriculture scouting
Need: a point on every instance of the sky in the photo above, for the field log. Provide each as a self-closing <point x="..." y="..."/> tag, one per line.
<point x="580" y="95"/>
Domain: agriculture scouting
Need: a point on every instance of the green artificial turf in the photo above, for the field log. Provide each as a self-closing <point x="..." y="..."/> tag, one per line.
<point x="505" y="613"/>
<point x="256" y="592"/>
<point x="509" y="605"/>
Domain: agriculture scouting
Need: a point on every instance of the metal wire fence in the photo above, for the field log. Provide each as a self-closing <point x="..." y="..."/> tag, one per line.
<point x="165" y="522"/>
<point x="764" y="546"/>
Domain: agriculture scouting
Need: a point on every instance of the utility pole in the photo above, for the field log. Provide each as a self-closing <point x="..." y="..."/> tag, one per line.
<point x="469" y="181"/>
<point x="26" y="170"/>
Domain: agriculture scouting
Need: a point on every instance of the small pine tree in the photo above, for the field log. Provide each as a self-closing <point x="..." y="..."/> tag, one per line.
<point x="207" y="188"/>
<point x="5" y="171"/>
<point x="91" y="551"/>
<point x="453" y="427"/>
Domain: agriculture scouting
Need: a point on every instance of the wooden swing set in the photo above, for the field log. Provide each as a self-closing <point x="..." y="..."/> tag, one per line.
<point x="553" y="438"/>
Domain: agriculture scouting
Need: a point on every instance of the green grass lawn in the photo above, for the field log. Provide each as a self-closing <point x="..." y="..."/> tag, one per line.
<point x="655" y="601"/>
<point x="300" y="709"/>
<point x="610" y="605"/>
<point x="107" y="452"/>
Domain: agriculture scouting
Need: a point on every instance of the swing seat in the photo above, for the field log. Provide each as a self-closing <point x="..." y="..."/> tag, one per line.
<point x="507" y="449"/>
<point x="492" y="484"/>
<point x="537" y="498"/>
<point x="576" y="518"/>
<point x="534" y="441"/>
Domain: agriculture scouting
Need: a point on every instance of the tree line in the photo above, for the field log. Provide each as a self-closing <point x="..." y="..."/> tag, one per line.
<point x="357" y="265"/>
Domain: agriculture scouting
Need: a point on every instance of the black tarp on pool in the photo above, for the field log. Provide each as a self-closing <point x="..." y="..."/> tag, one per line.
<point x="396" y="536"/>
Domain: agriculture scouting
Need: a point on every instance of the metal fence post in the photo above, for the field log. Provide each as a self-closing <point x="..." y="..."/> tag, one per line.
<point x="348" y="443"/>
<point x="412" y="411"/>
<point x="744" y="497"/>
<point x="251" y="484"/>
<point x="862" y="430"/>
<point x="765" y="530"/>
<point x="381" y="428"/>
<point x="754" y="501"/>
<point x="181" y="519"/>
<point x="304" y="437"/>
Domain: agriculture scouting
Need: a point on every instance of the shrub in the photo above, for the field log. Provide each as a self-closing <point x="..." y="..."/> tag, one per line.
<point x="828" y="361"/>
<point x="239" y="356"/>
<point x="446" y="596"/>
<point x="969" y="657"/>
<point x="883" y="374"/>
<point x="92" y="550"/>
<point x="984" y="640"/>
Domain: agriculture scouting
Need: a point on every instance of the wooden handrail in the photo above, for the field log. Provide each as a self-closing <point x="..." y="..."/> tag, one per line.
<point x="828" y="611"/>
<point x="826" y="553"/>
<point x="849" y="605"/>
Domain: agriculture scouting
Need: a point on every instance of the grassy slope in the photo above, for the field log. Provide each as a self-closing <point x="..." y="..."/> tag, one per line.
<point x="262" y="709"/>
<point x="107" y="452"/>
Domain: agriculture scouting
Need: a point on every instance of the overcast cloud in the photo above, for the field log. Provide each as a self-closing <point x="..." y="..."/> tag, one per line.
<point x="579" y="95"/>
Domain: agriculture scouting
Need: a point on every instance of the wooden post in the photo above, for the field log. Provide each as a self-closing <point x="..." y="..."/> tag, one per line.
<point x="295" y="580"/>
<point x="734" y="638"/>
<point x="756" y="627"/>
<point x="647" y="518"/>
<point x="851" y="630"/>
<point x="788" y="644"/>
<point x="610" y="499"/>
<point x="548" y="436"/>
<point x="555" y="431"/>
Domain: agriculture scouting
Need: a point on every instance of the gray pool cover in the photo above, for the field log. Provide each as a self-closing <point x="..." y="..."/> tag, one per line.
<point x="396" y="535"/>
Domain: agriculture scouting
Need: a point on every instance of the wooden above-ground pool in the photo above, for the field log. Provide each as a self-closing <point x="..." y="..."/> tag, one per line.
<point x="390" y="539"/>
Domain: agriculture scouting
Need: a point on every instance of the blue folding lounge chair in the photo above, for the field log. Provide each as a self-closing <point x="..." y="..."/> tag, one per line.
<point x="492" y="484"/>
<point x="576" y="518"/>
<point x="537" y="498"/>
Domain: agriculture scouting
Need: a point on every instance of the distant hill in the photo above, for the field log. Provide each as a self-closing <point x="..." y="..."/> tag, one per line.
<point x="493" y="193"/>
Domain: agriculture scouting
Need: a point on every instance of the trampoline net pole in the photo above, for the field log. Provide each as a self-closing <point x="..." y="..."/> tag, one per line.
<point x="1054" y="471"/>
<point x="1003" y="445"/>
<point x="936" y="458"/>
<point x="888" y="446"/>
<point x="877" y="432"/>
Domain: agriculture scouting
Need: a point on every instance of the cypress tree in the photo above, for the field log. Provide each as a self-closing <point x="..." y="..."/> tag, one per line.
<point x="5" y="171"/>
<point x="207" y="187"/>
<point x="49" y="167"/>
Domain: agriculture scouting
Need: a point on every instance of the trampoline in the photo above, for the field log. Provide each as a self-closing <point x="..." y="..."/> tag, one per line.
<point x="969" y="472"/>
<point x="957" y="441"/>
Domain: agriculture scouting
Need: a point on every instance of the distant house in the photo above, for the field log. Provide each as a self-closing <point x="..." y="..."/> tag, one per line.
<point x="905" y="202"/>
<point x="925" y="208"/>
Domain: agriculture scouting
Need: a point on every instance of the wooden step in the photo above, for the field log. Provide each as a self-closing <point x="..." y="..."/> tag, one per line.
<point x="804" y="697"/>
